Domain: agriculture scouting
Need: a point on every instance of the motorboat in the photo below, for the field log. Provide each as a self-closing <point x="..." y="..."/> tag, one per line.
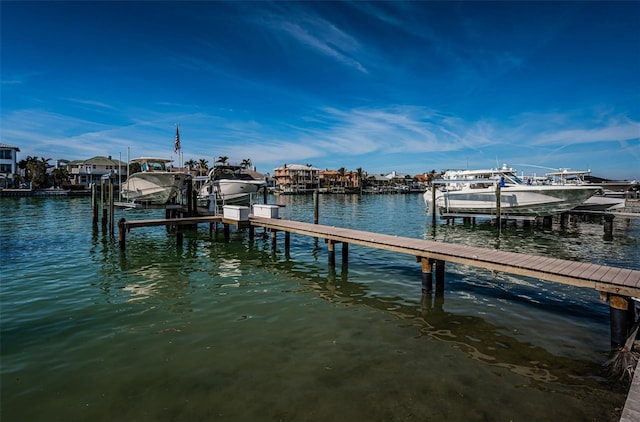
<point x="610" y="197"/>
<point x="478" y="192"/>
<point x="230" y="184"/>
<point x="153" y="184"/>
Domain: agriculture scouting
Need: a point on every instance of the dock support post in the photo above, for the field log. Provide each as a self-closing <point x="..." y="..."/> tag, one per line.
<point x="427" y="277"/>
<point x="179" y="235"/>
<point x="111" y="209"/>
<point x="122" y="236"/>
<point x="621" y="311"/>
<point x="103" y="203"/>
<point x="439" y="276"/>
<point x="316" y="207"/>
<point x="332" y="252"/>
<point x="274" y="239"/>
<point x="433" y="203"/>
<point x="345" y="255"/>
<point x="227" y="232"/>
<point x="547" y="221"/>
<point x="251" y="233"/>
<point x="498" y="205"/>
<point x="608" y="226"/>
<point x="287" y="241"/>
<point x="94" y="204"/>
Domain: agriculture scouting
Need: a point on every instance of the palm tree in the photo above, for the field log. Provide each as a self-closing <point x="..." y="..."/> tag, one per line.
<point x="246" y="163"/>
<point x="360" y="173"/>
<point x="191" y="164"/>
<point x="222" y="159"/>
<point x="60" y="176"/>
<point x="203" y="166"/>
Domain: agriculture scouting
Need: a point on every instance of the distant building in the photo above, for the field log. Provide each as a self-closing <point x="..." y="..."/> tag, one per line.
<point x="296" y="178"/>
<point x="340" y="181"/>
<point x="8" y="165"/>
<point x="85" y="172"/>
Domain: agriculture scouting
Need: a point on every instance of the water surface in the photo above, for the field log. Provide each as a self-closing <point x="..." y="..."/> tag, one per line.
<point x="217" y="330"/>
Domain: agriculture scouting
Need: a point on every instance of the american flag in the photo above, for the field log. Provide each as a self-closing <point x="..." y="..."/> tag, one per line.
<point x="176" y="147"/>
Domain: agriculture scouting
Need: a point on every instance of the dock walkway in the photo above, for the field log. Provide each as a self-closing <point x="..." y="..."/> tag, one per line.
<point x="603" y="278"/>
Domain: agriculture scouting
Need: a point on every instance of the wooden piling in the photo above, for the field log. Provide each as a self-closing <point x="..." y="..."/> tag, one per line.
<point x="439" y="275"/>
<point x="274" y="239"/>
<point x="332" y="252"/>
<point x="94" y="204"/>
<point x="345" y="255"/>
<point x="433" y="203"/>
<point x="427" y="278"/>
<point x="620" y="309"/>
<point x="122" y="237"/>
<point x="103" y="203"/>
<point x="287" y="241"/>
<point x="111" y="209"/>
<point x="498" y="205"/>
<point x="608" y="226"/>
<point x="179" y="235"/>
<point x="227" y="232"/>
<point x="316" y="206"/>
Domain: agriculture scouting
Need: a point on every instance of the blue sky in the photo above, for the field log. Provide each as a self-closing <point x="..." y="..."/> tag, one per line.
<point x="385" y="86"/>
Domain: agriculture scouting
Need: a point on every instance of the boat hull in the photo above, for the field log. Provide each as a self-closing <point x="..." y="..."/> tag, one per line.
<point x="153" y="187"/>
<point x="524" y="201"/>
<point x="232" y="191"/>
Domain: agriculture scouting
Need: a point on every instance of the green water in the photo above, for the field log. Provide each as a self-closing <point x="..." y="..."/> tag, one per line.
<point x="234" y="331"/>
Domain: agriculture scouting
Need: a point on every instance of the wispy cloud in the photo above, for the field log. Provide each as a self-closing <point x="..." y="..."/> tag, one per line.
<point x="319" y="35"/>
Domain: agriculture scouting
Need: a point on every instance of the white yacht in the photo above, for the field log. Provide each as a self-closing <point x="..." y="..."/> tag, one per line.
<point x="610" y="196"/>
<point x="230" y="184"/>
<point x="153" y="184"/>
<point x="474" y="192"/>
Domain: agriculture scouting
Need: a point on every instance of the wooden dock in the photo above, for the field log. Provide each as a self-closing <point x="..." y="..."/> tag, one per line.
<point x="599" y="277"/>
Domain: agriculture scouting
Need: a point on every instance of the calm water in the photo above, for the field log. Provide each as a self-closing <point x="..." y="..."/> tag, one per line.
<point x="237" y="332"/>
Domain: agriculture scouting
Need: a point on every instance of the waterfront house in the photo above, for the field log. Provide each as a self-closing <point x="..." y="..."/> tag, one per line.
<point x="340" y="181"/>
<point x="8" y="166"/>
<point x="297" y="178"/>
<point x="86" y="172"/>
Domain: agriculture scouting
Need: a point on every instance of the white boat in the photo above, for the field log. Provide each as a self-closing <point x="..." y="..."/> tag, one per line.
<point x="153" y="184"/>
<point x="610" y="196"/>
<point x="474" y="192"/>
<point x="230" y="184"/>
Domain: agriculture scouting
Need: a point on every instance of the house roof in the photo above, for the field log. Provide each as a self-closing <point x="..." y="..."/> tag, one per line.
<point x="5" y="146"/>
<point x="297" y="167"/>
<point x="98" y="161"/>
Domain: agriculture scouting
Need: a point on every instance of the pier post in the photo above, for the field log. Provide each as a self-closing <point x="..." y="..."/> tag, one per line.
<point x="427" y="277"/>
<point x="103" y="203"/>
<point x="94" y="204"/>
<point x="316" y="206"/>
<point x="111" y="209"/>
<point x="332" y="252"/>
<point x="287" y="241"/>
<point x="345" y="255"/>
<point x="274" y="239"/>
<point x="433" y="203"/>
<point x="179" y="235"/>
<point x="621" y="311"/>
<point x="251" y="233"/>
<point x="547" y="221"/>
<point x="608" y="226"/>
<point x="122" y="236"/>
<point x="227" y="232"/>
<point x="439" y="276"/>
<point x="498" y="205"/>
